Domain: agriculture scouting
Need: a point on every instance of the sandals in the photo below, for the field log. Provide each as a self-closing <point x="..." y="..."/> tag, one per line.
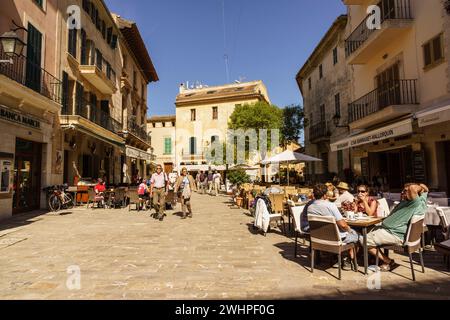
<point x="388" y="267"/>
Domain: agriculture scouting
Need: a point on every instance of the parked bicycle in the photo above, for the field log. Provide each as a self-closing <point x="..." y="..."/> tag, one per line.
<point x="58" y="198"/>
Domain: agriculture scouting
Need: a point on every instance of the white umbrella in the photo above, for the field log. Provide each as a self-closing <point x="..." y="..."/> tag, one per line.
<point x="289" y="157"/>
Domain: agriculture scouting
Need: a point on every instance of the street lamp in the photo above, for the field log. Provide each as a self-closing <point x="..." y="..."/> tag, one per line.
<point x="337" y="121"/>
<point x="12" y="45"/>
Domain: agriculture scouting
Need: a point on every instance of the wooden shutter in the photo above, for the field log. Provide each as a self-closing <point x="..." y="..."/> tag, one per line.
<point x="34" y="51"/>
<point x="84" y="55"/>
<point x="65" y="93"/>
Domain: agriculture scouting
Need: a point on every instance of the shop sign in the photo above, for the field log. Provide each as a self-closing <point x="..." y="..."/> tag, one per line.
<point x="138" y="154"/>
<point x="18" y="118"/>
<point x="437" y="116"/>
<point x="396" y="130"/>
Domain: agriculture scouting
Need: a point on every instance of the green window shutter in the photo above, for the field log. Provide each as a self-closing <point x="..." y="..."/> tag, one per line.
<point x="79" y="98"/>
<point x="84" y="55"/>
<point x="168" y="146"/>
<point x="34" y="51"/>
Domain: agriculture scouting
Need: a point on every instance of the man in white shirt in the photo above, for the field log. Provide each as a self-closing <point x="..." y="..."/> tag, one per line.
<point x="344" y="194"/>
<point x="217" y="180"/>
<point x="158" y="191"/>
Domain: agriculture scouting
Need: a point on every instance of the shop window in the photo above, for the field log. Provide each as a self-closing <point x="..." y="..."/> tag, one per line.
<point x="5" y="166"/>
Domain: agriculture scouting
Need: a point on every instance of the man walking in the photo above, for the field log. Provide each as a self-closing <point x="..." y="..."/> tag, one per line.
<point x="210" y="182"/>
<point x="217" y="180"/>
<point x="158" y="190"/>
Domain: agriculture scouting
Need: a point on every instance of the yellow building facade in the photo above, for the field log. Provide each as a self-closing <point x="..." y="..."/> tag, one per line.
<point x="202" y="116"/>
<point x="400" y="93"/>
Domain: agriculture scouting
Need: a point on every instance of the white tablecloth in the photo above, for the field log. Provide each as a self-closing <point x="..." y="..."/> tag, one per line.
<point x="432" y="217"/>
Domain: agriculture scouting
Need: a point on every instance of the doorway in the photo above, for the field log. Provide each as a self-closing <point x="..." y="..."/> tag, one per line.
<point x="27" y="176"/>
<point x="168" y="167"/>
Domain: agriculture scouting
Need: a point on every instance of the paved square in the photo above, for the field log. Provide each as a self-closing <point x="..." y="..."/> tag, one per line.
<point x="215" y="255"/>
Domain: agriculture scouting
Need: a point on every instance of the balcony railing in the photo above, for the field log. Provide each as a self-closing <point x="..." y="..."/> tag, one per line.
<point x="137" y="130"/>
<point x="396" y="92"/>
<point x="390" y="10"/>
<point x="88" y="111"/>
<point x="319" y="131"/>
<point x="25" y="72"/>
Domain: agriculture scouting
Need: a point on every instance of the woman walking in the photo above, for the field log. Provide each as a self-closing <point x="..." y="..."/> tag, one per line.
<point x="184" y="187"/>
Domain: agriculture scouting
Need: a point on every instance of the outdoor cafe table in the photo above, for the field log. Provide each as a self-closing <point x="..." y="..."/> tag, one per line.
<point x="364" y="224"/>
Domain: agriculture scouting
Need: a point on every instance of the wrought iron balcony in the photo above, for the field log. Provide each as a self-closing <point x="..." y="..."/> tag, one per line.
<point x="88" y="111"/>
<point x="138" y="130"/>
<point x="390" y="10"/>
<point x="392" y="93"/>
<point x="30" y="75"/>
<point x="319" y="131"/>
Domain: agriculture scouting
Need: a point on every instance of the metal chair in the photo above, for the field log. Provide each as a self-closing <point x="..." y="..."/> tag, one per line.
<point x="92" y="198"/>
<point x="412" y="244"/>
<point x="325" y="236"/>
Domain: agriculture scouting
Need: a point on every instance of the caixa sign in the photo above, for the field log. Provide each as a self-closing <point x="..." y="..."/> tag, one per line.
<point x="15" y="117"/>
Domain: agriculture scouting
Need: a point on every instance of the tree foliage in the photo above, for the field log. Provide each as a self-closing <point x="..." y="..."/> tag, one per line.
<point x="260" y="115"/>
<point x="238" y="177"/>
<point x="293" y="123"/>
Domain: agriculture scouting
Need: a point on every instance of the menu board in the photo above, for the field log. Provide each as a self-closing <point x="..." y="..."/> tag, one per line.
<point x="419" y="168"/>
<point x="365" y="168"/>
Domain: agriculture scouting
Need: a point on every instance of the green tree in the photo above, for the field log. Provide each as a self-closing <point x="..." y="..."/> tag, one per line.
<point x="260" y="115"/>
<point x="293" y="124"/>
<point x="257" y="116"/>
<point x="238" y="177"/>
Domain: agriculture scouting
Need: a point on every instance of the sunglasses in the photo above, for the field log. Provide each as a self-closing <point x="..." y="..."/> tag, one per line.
<point x="362" y="191"/>
<point x="158" y="168"/>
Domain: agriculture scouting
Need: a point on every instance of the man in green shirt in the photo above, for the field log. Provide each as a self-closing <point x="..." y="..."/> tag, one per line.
<point x="394" y="228"/>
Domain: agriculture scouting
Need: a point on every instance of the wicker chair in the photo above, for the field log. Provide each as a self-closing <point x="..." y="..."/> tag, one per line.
<point x="412" y="244"/>
<point x="325" y="237"/>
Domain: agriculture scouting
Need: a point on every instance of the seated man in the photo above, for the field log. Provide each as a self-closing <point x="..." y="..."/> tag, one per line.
<point x="394" y="228"/>
<point x="345" y="197"/>
<point x="322" y="207"/>
<point x="99" y="189"/>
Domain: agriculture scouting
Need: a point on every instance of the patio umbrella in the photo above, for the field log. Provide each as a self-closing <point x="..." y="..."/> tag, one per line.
<point x="289" y="157"/>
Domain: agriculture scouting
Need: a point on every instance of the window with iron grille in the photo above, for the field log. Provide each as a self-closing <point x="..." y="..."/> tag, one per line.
<point x="193" y="115"/>
<point x="215" y="113"/>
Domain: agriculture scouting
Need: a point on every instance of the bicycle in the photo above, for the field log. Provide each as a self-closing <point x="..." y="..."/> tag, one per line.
<point x="58" y="198"/>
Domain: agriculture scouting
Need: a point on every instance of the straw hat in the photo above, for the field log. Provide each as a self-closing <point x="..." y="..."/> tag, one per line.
<point x="343" y="186"/>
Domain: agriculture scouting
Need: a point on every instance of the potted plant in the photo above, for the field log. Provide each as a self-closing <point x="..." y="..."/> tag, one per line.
<point x="238" y="178"/>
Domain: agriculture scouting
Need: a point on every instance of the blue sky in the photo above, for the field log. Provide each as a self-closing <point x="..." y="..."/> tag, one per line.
<point x="265" y="40"/>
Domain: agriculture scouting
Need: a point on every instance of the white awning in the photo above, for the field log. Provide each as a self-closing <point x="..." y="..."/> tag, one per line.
<point x="137" y="154"/>
<point x="433" y="115"/>
<point x="394" y="130"/>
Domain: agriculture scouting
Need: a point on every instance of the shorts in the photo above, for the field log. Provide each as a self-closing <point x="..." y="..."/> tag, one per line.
<point x="381" y="237"/>
<point x="143" y="196"/>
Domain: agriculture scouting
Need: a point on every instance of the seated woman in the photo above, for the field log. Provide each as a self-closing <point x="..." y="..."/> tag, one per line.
<point x="99" y="189"/>
<point x="364" y="203"/>
<point x="143" y="193"/>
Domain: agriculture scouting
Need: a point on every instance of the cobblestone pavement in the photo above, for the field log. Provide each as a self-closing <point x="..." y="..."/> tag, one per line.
<point x="215" y="255"/>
